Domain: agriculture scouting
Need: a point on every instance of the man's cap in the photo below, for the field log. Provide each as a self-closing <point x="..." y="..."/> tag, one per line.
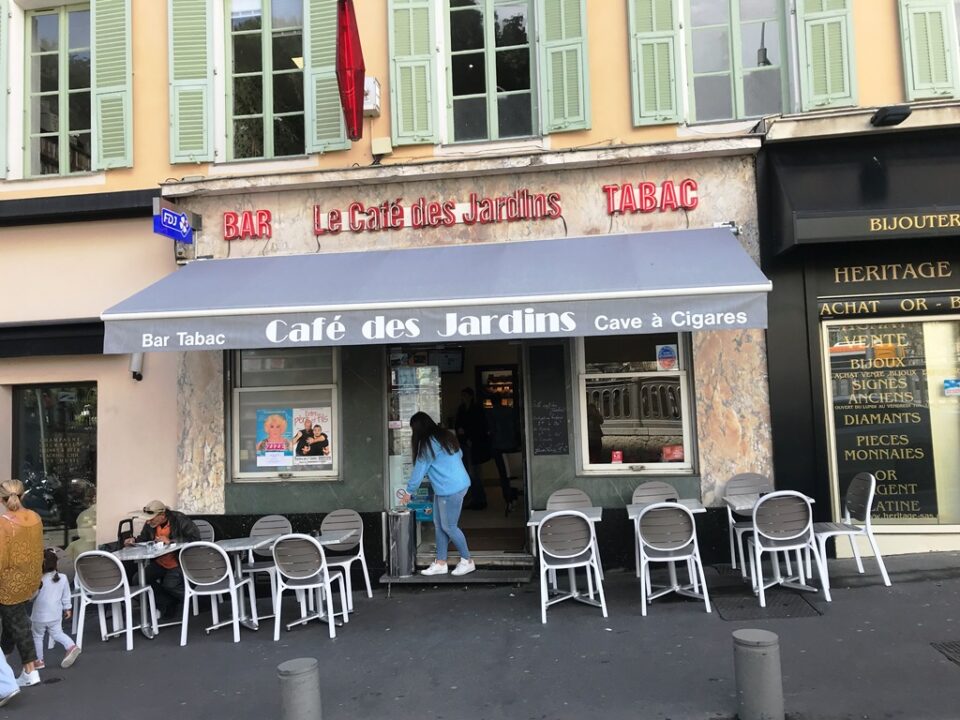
<point x="154" y="508"/>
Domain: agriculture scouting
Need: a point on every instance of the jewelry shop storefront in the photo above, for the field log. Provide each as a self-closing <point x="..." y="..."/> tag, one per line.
<point x="603" y="319"/>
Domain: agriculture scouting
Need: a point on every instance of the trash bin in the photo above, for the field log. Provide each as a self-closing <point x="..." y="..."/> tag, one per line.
<point x="402" y="533"/>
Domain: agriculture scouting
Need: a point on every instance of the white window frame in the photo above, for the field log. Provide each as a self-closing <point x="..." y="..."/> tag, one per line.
<point x="271" y="474"/>
<point x="686" y="421"/>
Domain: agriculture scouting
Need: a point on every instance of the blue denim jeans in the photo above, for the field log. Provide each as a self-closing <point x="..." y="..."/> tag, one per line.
<point x="446" y="515"/>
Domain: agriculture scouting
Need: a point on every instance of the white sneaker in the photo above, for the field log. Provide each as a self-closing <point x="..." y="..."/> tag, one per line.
<point x="70" y="657"/>
<point x="27" y="679"/>
<point x="463" y="567"/>
<point x="435" y="569"/>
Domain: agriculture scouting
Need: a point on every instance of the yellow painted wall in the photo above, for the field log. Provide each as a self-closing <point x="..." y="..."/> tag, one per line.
<point x="878" y="70"/>
<point x="77" y="270"/>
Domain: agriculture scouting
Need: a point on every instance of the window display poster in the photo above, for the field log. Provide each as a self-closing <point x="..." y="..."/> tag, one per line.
<point x="274" y="437"/>
<point x="311" y="437"/>
<point x="882" y="416"/>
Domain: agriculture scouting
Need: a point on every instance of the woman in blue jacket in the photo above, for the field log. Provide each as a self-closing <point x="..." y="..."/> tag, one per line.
<point x="436" y="453"/>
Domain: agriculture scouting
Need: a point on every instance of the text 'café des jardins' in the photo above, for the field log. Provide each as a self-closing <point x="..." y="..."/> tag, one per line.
<point x="607" y="316"/>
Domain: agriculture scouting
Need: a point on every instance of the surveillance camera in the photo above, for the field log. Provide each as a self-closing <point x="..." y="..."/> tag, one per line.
<point x="136" y="366"/>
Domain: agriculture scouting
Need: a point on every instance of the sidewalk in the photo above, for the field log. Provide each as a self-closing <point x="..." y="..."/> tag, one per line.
<point x="465" y="652"/>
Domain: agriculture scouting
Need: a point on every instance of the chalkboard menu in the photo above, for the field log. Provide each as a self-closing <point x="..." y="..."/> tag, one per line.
<point x="882" y="415"/>
<point x="548" y="400"/>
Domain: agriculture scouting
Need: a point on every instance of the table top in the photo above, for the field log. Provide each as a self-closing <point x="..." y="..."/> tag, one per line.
<point x="594" y="514"/>
<point x="331" y="537"/>
<point x="744" y="503"/>
<point x="694" y="506"/>
<point x="145" y="551"/>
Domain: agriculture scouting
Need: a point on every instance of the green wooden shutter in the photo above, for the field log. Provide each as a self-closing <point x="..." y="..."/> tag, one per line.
<point x="4" y="85"/>
<point x="826" y="53"/>
<point x="112" y="102"/>
<point x="563" y="63"/>
<point x="413" y="107"/>
<point x="190" y="63"/>
<point x="325" y="127"/>
<point x="654" y="32"/>
<point x="929" y="40"/>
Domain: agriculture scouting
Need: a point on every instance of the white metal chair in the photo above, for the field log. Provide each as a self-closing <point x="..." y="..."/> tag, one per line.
<point x="261" y="561"/>
<point x="352" y="548"/>
<point x="302" y="566"/>
<point x="667" y="533"/>
<point x="742" y="484"/>
<point x="207" y="534"/>
<point x="649" y="492"/>
<point x="783" y="522"/>
<point x="566" y="541"/>
<point x="207" y="571"/>
<point x="103" y="581"/>
<point x="572" y="499"/>
<point x="857" y="505"/>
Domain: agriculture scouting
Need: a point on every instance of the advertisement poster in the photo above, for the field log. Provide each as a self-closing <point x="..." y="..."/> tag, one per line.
<point x="667" y="357"/>
<point x="312" y="444"/>
<point x="274" y="437"/>
<point x="882" y="416"/>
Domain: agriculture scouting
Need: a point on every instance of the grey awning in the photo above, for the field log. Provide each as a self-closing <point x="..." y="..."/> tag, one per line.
<point x="599" y="285"/>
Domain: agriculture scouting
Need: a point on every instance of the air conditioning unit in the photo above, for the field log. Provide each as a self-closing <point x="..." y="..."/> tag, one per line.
<point x="371" y="97"/>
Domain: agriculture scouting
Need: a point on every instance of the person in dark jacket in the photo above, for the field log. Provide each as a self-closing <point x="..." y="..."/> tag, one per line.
<point x="163" y="574"/>
<point x="474" y="438"/>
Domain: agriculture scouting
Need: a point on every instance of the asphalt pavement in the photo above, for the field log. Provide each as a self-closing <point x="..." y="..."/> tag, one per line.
<point x="470" y="651"/>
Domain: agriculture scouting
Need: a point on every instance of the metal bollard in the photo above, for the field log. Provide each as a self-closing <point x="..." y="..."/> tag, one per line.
<point x="756" y="662"/>
<point x="299" y="689"/>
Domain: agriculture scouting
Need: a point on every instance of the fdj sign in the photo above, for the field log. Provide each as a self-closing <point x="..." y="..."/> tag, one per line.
<point x="171" y="222"/>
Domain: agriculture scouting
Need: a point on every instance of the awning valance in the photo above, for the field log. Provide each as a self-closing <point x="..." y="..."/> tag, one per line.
<point x="599" y="285"/>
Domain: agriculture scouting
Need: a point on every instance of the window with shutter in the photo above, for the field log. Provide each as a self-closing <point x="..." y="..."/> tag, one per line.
<point x="929" y="39"/>
<point x="654" y="28"/>
<point x="735" y="57"/>
<point x="563" y="59"/>
<point x="58" y="92"/>
<point x="826" y="53"/>
<point x="265" y="83"/>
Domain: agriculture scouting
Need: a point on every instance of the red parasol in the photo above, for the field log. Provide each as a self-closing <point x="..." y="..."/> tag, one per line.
<point x="350" y="68"/>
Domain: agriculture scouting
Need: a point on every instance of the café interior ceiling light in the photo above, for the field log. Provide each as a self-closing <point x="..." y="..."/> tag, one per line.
<point x="890" y="115"/>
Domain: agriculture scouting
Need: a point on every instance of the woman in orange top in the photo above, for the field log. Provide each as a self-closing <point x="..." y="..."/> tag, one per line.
<point x="21" y="565"/>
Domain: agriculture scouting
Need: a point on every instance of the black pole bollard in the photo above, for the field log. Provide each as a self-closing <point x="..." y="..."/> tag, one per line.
<point x="299" y="689"/>
<point x="756" y="662"/>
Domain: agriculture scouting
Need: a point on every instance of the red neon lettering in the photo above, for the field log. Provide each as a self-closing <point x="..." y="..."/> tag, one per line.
<point x="353" y="213"/>
<point x="263" y="224"/>
<point x="648" y="197"/>
<point x="230" y="229"/>
<point x="688" y="194"/>
<point x="611" y="193"/>
<point x="628" y="201"/>
<point x="668" y="196"/>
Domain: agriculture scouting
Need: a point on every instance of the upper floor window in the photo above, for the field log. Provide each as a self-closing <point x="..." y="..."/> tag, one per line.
<point x="490" y="69"/>
<point x="928" y="30"/>
<point x="265" y="89"/>
<point x="511" y="69"/>
<point x="58" y="92"/>
<point x="736" y="58"/>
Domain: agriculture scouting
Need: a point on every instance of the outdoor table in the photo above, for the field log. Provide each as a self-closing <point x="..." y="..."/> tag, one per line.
<point x="238" y="546"/>
<point x="142" y="553"/>
<point x="694" y="506"/>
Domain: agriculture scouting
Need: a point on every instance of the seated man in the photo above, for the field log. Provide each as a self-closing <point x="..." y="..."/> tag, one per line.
<point x="164" y="574"/>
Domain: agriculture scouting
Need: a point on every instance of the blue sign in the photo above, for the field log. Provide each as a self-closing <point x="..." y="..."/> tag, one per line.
<point x="173" y="224"/>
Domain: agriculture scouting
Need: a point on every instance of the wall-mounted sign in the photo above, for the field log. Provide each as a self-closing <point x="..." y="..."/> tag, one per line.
<point x="648" y="197"/>
<point x="917" y="222"/>
<point x="831" y="308"/>
<point x="173" y="222"/>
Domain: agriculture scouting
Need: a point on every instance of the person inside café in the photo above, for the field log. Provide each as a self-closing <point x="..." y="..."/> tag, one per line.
<point x="163" y="574"/>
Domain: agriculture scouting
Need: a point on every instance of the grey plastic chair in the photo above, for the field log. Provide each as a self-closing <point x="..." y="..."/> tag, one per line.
<point x="783" y="522"/>
<point x="103" y="581"/>
<point x="571" y="499"/>
<point x="261" y="561"/>
<point x="742" y="484"/>
<point x="207" y="533"/>
<point x="857" y="505"/>
<point x="340" y="520"/>
<point x="649" y="492"/>
<point x="566" y="541"/>
<point x="207" y="571"/>
<point x="302" y="566"/>
<point x="666" y="533"/>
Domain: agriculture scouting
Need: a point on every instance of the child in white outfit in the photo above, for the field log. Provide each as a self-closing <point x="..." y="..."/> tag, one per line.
<point x="50" y="605"/>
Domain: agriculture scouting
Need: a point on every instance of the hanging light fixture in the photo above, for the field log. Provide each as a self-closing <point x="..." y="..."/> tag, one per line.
<point x="350" y="68"/>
